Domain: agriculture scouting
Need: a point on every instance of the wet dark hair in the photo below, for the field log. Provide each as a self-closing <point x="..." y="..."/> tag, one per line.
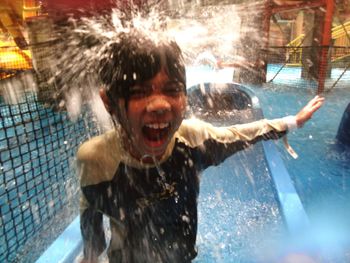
<point x="135" y="58"/>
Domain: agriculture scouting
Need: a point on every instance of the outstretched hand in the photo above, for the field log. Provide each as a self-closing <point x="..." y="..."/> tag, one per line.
<point x="306" y="113"/>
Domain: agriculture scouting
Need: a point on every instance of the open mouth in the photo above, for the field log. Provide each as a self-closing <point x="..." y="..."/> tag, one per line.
<point x="156" y="132"/>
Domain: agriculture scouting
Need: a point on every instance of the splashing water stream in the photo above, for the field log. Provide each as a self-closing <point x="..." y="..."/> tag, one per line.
<point x="205" y="37"/>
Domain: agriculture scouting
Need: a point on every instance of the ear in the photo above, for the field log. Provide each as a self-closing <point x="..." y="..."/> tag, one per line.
<point x="106" y="101"/>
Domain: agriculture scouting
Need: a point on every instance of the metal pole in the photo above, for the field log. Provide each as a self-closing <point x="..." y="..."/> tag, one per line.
<point x="262" y="63"/>
<point x="325" y="44"/>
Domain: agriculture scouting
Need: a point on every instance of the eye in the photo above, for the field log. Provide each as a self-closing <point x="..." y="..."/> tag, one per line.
<point x="174" y="88"/>
<point x="139" y="91"/>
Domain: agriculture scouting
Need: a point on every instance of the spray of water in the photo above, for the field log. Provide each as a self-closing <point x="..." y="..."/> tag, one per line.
<point x="204" y="35"/>
<point x="78" y="45"/>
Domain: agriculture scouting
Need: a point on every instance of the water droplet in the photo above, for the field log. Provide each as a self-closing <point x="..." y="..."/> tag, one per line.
<point x="185" y="218"/>
<point x="121" y="214"/>
<point x="109" y="191"/>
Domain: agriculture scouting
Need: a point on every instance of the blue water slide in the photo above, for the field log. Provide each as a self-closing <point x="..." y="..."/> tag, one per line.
<point x="249" y="191"/>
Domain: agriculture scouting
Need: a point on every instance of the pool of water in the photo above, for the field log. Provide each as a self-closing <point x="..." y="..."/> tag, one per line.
<point x="238" y="209"/>
<point x="321" y="174"/>
<point x="291" y="76"/>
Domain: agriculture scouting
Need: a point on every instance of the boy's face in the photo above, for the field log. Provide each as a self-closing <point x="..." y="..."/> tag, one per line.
<point x="154" y="112"/>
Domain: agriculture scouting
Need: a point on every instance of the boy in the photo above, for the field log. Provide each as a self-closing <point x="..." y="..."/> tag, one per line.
<point x="143" y="174"/>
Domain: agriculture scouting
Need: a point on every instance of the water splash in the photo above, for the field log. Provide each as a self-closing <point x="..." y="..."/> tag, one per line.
<point x="78" y="44"/>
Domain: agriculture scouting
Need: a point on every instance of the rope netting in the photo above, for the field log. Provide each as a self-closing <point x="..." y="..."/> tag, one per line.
<point x="14" y="60"/>
<point x="298" y="67"/>
<point x="38" y="177"/>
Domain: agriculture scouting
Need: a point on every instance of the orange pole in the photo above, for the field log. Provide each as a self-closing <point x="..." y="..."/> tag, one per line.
<point x="325" y="44"/>
<point x="266" y="23"/>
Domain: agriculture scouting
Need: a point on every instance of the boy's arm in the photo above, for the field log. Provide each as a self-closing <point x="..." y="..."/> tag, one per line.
<point x="273" y="129"/>
<point x="225" y="141"/>
<point x="212" y="145"/>
<point x="91" y="225"/>
<point x="91" y="220"/>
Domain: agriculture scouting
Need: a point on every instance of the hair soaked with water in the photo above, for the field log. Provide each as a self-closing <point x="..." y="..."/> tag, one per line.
<point x="135" y="58"/>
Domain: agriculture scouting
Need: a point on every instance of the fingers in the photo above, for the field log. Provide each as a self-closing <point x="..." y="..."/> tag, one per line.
<point x="316" y="103"/>
<point x="311" y="107"/>
<point x="316" y="99"/>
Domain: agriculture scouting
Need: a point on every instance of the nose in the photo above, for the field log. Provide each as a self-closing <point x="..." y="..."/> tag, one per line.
<point x="158" y="105"/>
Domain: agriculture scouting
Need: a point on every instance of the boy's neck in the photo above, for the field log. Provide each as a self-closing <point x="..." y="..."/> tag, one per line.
<point x="145" y="159"/>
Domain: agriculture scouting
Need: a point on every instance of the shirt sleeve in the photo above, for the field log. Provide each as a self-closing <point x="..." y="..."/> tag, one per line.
<point x="91" y="219"/>
<point x="214" y="144"/>
<point x="291" y="122"/>
<point x="91" y="225"/>
<point x="96" y="163"/>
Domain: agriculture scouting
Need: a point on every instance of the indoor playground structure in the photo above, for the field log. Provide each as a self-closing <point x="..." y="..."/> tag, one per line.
<point x="260" y="205"/>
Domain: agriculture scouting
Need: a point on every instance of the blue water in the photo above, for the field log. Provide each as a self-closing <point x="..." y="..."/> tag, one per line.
<point x="238" y="205"/>
<point x="292" y="76"/>
<point x="238" y="209"/>
<point x="321" y="174"/>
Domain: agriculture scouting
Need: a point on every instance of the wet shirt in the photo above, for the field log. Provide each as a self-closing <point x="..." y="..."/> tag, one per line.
<point x="153" y="208"/>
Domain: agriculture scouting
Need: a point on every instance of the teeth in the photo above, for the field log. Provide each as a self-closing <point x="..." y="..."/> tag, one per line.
<point x="157" y="125"/>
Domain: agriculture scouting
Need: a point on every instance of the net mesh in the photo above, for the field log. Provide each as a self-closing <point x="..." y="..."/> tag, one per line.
<point x="38" y="178"/>
<point x="294" y="67"/>
<point x="13" y="60"/>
